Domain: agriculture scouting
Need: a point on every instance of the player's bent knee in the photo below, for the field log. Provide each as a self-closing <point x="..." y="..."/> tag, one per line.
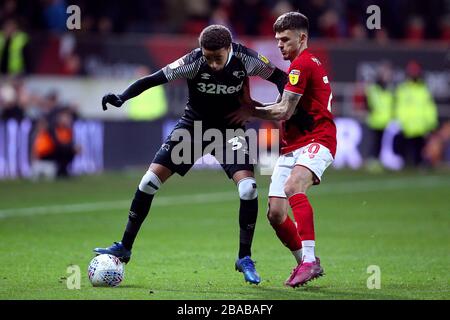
<point x="150" y="183"/>
<point x="247" y="189"/>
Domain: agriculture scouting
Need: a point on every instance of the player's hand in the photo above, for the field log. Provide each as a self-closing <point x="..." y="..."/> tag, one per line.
<point x="241" y="115"/>
<point x="112" y="99"/>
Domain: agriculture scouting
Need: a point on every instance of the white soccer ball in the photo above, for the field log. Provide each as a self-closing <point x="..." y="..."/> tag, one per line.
<point x="106" y="270"/>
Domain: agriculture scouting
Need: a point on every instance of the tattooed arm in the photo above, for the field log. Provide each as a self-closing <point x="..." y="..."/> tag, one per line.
<point x="282" y="110"/>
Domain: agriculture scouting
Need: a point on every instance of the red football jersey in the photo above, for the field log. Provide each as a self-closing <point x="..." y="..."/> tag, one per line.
<point x="312" y="120"/>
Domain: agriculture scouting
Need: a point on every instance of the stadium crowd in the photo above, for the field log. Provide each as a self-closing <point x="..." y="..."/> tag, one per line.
<point x="411" y="19"/>
<point x="52" y="143"/>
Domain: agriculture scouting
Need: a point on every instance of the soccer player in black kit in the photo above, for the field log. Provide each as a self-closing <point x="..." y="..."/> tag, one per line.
<point x="216" y="74"/>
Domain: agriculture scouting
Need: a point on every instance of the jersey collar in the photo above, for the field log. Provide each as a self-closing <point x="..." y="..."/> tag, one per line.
<point x="229" y="55"/>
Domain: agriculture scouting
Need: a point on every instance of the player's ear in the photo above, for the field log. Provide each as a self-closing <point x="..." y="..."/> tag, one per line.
<point x="303" y="37"/>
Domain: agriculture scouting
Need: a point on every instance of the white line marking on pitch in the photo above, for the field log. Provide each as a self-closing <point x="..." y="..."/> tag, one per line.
<point x="217" y="197"/>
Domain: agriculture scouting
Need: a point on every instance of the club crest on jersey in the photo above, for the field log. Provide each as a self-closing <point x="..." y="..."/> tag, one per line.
<point x="176" y="64"/>
<point x="239" y="74"/>
<point x="263" y="59"/>
<point x="294" y="76"/>
<point x="165" y="147"/>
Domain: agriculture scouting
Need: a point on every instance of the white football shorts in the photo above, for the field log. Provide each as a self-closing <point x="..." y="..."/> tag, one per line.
<point x="313" y="156"/>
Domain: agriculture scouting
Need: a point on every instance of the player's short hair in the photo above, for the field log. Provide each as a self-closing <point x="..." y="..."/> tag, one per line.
<point x="215" y="37"/>
<point x="291" y="21"/>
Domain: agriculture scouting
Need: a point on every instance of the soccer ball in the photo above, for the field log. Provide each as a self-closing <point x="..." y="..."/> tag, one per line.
<point x="106" y="270"/>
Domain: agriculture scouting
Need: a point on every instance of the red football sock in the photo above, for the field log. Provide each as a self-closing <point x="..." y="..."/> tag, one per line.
<point x="303" y="214"/>
<point x="288" y="234"/>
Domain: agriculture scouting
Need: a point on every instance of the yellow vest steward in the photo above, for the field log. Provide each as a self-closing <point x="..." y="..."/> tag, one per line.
<point x="415" y="109"/>
<point x="149" y="105"/>
<point x="16" y="63"/>
<point x="381" y="106"/>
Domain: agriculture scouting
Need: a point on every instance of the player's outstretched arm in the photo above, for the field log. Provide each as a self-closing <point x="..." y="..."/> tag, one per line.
<point x="247" y="105"/>
<point x="135" y="89"/>
<point x="279" y="111"/>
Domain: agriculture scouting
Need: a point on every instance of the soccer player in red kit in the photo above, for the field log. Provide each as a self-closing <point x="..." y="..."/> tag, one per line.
<point x="308" y="135"/>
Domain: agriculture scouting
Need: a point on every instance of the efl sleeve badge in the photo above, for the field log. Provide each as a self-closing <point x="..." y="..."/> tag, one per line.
<point x="263" y="59"/>
<point x="293" y="76"/>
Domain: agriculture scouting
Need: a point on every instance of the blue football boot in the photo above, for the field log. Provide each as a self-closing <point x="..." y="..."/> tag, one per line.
<point x="247" y="267"/>
<point x="117" y="250"/>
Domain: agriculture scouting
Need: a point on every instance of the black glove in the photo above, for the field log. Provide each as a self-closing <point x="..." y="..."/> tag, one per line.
<point x="113" y="99"/>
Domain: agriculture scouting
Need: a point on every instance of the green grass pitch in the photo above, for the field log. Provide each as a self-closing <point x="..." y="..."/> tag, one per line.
<point x="187" y="246"/>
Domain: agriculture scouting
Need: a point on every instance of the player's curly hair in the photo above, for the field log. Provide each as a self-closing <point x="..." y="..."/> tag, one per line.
<point x="215" y="37"/>
<point x="291" y="21"/>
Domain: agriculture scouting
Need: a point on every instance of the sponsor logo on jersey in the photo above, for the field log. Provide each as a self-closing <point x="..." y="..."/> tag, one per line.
<point x="205" y="76"/>
<point x="239" y="74"/>
<point x="263" y="59"/>
<point x="176" y="64"/>
<point x="213" y="88"/>
<point x="325" y="79"/>
<point x="293" y="76"/>
<point x="316" y="60"/>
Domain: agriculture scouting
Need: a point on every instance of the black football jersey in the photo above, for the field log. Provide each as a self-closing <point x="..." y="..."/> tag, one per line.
<point x="214" y="95"/>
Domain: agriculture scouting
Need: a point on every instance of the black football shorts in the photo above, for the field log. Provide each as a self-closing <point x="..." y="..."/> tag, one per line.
<point x="182" y="149"/>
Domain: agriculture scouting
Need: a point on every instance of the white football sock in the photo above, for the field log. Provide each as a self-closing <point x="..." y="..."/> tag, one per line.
<point x="308" y="250"/>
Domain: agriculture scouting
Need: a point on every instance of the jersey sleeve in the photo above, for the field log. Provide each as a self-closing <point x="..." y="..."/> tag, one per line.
<point x="255" y="64"/>
<point x="185" y="67"/>
<point x="298" y="76"/>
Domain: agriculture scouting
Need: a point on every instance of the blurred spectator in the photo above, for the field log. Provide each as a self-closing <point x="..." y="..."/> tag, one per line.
<point x="8" y="10"/>
<point x="248" y="15"/>
<point x="281" y="7"/>
<point x="330" y="19"/>
<point x="437" y="147"/>
<point x="416" y="113"/>
<point x="70" y="60"/>
<point x="105" y="25"/>
<point x="445" y="28"/>
<point x="381" y="36"/>
<point x="415" y="30"/>
<point x="54" y="14"/>
<point x="329" y="24"/>
<point x="65" y="148"/>
<point x="277" y="10"/>
<point x="14" y="56"/>
<point x="358" y="32"/>
<point x="197" y="14"/>
<point x="72" y="65"/>
<point x="50" y="106"/>
<point x="13" y="99"/>
<point x="221" y="15"/>
<point x="43" y="162"/>
<point x="380" y="106"/>
<point x="53" y="146"/>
